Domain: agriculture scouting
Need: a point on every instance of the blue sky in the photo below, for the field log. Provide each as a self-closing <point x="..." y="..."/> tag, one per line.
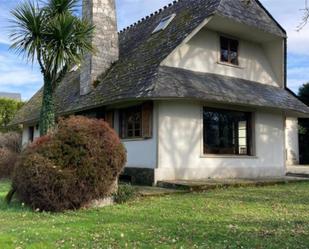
<point x="18" y="76"/>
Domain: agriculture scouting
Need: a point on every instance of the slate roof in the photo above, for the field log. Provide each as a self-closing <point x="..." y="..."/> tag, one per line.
<point x="216" y="88"/>
<point x="136" y="73"/>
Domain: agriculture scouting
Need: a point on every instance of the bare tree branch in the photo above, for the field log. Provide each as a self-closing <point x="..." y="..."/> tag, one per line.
<point x="305" y="18"/>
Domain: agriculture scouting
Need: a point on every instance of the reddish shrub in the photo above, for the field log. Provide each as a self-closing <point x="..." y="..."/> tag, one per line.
<point x="11" y="141"/>
<point x="77" y="163"/>
<point x="7" y="162"/>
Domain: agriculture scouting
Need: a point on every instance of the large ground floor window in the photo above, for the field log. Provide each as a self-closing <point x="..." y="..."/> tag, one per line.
<point x="227" y="132"/>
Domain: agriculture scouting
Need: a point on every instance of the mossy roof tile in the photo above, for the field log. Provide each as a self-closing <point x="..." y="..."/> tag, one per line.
<point x="135" y="74"/>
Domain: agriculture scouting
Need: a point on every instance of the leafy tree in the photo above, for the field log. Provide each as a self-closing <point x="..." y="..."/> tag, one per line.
<point x="8" y="109"/>
<point x="303" y="94"/>
<point x="49" y="33"/>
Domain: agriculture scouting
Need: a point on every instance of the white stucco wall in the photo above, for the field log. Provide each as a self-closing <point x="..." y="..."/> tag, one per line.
<point x="180" y="141"/>
<point x="141" y="153"/>
<point x="292" y="141"/>
<point x="257" y="62"/>
<point x="25" y="135"/>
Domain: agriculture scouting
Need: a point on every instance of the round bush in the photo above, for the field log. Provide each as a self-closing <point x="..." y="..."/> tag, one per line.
<point x="79" y="162"/>
<point x="7" y="162"/>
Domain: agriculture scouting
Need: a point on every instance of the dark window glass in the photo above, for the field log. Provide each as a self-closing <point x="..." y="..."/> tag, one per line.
<point x="226" y="132"/>
<point x="131" y="122"/>
<point x="229" y="50"/>
<point x="31" y="133"/>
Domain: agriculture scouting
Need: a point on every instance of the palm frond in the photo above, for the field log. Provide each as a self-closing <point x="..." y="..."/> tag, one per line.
<point x="52" y="34"/>
<point x="58" y="7"/>
<point x="27" y="29"/>
<point x="67" y="41"/>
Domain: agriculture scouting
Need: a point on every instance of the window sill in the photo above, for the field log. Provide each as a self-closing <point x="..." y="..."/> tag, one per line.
<point x="229" y="65"/>
<point x="228" y="156"/>
<point x="134" y="139"/>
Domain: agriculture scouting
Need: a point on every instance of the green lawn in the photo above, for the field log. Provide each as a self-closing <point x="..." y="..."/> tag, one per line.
<point x="268" y="217"/>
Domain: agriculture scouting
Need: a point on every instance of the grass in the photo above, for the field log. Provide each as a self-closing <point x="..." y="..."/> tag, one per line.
<point x="266" y="217"/>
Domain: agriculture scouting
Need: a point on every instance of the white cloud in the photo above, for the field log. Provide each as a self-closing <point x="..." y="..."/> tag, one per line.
<point x="4" y="40"/>
<point x="5" y="7"/>
<point x="17" y="76"/>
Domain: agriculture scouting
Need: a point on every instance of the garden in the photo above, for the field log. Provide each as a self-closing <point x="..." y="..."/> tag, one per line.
<point x="266" y="217"/>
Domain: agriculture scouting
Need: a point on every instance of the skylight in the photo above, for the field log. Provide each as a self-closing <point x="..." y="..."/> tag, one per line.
<point x="164" y="23"/>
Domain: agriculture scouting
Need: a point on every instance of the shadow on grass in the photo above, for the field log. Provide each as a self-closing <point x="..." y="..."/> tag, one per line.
<point x="15" y="205"/>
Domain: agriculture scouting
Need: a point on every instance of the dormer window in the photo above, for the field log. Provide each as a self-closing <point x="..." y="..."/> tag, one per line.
<point x="164" y="23"/>
<point x="229" y="51"/>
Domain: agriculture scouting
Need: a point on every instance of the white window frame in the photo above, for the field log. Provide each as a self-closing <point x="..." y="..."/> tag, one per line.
<point x="164" y="23"/>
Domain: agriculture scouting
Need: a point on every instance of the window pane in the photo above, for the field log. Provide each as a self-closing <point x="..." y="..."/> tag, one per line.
<point x="242" y="138"/>
<point x="224" y="49"/>
<point x="234" y="58"/>
<point x="224" y="55"/>
<point x="130" y="133"/>
<point x="131" y="122"/>
<point x="164" y="23"/>
<point x="233" y="51"/>
<point x="137" y="133"/>
<point x="233" y="45"/>
<point x="229" y="50"/>
<point x="225" y="132"/>
<point x="224" y="43"/>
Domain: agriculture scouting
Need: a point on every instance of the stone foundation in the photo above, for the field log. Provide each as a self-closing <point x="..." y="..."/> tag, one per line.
<point x="138" y="176"/>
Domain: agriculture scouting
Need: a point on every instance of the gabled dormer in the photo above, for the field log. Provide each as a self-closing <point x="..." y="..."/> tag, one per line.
<point x="232" y="43"/>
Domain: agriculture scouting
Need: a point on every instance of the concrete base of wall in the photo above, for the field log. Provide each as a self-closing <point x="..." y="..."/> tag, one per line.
<point x="162" y="174"/>
<point x="149" y="177"/>
<point x="208" y="184"/>
<point x="138" y="176"/>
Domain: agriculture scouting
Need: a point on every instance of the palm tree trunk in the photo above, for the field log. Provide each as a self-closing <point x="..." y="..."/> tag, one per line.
<point x="47" y="116"/>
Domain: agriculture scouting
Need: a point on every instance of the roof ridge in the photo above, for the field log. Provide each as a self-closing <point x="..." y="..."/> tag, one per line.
<point x="266" y="11"/>
<point x="155" y="13"/>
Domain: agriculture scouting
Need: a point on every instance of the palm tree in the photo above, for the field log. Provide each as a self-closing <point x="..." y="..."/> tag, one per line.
<point x="56" y="39"/>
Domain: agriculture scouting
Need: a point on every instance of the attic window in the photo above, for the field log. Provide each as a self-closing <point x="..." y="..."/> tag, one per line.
<point x="164" y="23"/>
<point x="229" y="50"/>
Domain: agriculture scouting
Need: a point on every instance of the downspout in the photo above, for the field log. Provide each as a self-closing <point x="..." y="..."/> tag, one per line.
<point x="285" y="63"/>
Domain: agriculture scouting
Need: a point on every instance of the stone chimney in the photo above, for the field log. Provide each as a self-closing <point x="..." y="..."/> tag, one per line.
<point x="102" y="14"/>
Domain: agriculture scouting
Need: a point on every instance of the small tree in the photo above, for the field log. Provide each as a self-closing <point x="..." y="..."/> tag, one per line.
<point x="51" y="35"/>
<point x="8" y="109"/>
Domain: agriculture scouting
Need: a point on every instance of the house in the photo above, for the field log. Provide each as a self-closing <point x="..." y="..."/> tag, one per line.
<point x="16" y="96"/>
<point x="195" y="90"/>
